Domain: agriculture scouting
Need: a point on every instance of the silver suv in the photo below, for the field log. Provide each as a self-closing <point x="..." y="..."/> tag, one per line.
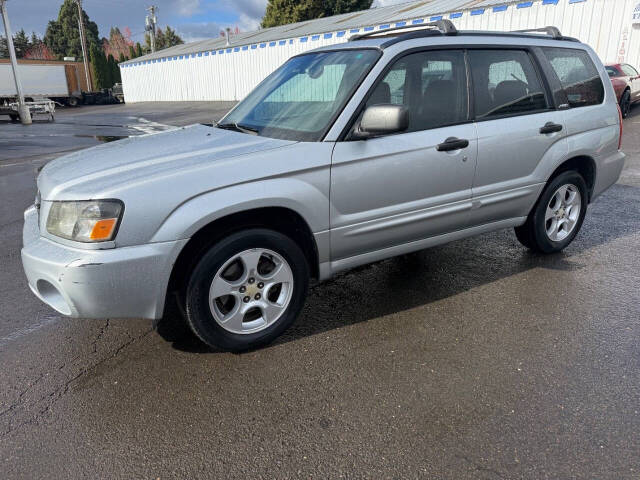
<point x="343" y="156"/>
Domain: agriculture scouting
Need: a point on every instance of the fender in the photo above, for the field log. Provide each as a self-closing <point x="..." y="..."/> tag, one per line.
<point x="302" y="194"/>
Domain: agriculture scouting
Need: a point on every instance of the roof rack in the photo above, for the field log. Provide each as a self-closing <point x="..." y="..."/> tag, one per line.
<point x="445" y="27"/>
<point x="550" y="30"/>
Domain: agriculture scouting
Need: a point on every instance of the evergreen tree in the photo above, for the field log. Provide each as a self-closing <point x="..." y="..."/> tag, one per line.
<point x="164" y="39"/>
<point x="121" y="59"/>
<point x="280" y="12"/>
<point x="139" y="51"/>
<point x="99" y="67"/>
<point x="63" y="36"/>
<point x="35" y="40"/>
<point x="21" y="43"/>
<point x="171" y="38"/>
<point x="132" y="52"/>
<point x="4" y="49"/>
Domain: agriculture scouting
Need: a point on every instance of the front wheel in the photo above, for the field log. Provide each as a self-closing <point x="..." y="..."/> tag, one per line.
<point x="247" y="289"/>
<point x="557" y="216"/>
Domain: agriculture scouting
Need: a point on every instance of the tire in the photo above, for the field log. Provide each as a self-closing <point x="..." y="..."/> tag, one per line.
<point x="540" y="233"/>
<point x="269" y="306"/>
<point x="625" y="104"/>
<point x="14" y="118"/>
<point x="72" y="102"/>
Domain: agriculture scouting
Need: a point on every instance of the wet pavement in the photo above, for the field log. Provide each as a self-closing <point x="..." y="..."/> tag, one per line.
<point x="473" y="360"/>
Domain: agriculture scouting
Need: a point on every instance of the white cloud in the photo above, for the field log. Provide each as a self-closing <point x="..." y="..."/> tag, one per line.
<point x="193" y="32"/>
<point x="186" y="8"/>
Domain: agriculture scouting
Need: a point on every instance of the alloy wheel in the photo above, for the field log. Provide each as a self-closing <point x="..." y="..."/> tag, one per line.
<point x="563" y="212"/>
<point x="251" y="291"/>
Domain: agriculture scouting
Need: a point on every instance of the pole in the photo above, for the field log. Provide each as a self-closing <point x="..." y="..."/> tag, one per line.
<point x="23" y="110"/>
<point x="83" y="42"/>
<point x="151" y="26"/>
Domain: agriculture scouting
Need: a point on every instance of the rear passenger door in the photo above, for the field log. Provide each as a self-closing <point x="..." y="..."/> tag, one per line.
<point x="517" y="127"/>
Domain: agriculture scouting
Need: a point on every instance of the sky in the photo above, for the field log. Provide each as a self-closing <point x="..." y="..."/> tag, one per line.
<point x="193" y="19"/>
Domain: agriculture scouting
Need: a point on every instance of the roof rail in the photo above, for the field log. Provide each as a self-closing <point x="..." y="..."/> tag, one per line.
<point x="550" y="30"/>
<point x="445" y="27"/>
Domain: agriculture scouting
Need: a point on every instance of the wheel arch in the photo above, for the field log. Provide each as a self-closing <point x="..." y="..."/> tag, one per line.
<point x="281" y="219"/>
<point x="584" y="165"/>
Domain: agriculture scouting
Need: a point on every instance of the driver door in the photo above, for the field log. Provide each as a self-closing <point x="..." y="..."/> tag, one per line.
<point x="390" y="191"/>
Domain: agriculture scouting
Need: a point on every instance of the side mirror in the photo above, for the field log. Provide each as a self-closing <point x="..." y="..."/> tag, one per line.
<point x="382" y="120"/>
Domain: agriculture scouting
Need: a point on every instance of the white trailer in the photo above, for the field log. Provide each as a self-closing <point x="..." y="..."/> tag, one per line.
<point x="37" y="81"/>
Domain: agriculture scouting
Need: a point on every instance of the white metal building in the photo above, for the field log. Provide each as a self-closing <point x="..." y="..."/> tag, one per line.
<point x="213" y="70"/>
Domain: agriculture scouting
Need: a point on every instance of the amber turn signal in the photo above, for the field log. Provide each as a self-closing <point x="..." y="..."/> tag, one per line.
<point x="103" y="229"/>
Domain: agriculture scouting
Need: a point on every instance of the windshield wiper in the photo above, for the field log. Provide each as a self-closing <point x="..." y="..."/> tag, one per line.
<point x="239" y="127"/>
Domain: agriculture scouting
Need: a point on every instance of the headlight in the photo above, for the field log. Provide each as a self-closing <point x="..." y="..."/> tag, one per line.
<point x="90" y="221"/>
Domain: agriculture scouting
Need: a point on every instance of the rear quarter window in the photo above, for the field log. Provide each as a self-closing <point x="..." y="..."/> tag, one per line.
<point x="578" y="75"/>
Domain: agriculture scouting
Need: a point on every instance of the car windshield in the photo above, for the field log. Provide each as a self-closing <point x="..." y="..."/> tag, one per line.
<point x="612" y="71"/>
<point x="300" y="100"/>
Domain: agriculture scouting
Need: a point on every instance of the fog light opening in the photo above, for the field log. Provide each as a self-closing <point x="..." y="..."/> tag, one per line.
<point x="52" y="297"/>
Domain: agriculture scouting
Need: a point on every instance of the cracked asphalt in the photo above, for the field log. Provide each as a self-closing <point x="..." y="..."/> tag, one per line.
<point x="473" y="360"/>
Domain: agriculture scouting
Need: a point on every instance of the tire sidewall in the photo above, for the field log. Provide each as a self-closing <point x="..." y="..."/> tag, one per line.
<point x="199" y="314"/>
<point x="625" y="104"/>
<point x="542" y="239"/>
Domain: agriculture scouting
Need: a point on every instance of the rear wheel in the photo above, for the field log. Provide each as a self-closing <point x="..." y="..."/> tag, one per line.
<point x="625" y="104"/>
<point x="557" y="216"/>
<point x="247" y="289"/>
<point x="13" y="117"/>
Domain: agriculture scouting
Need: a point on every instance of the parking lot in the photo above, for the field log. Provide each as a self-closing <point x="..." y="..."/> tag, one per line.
<point x="473" y="360"/>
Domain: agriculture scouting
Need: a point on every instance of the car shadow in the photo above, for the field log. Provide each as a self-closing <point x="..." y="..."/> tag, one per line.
<point x="424" y="277"/>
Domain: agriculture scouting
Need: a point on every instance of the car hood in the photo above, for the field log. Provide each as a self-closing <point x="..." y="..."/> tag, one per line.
<point x="86" y="173"/>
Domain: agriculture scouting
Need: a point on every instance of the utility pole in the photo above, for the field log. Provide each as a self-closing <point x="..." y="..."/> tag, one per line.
<point x="83" y="42"/>
<point x="150" y="25"/>
<point x="23" y="110"/>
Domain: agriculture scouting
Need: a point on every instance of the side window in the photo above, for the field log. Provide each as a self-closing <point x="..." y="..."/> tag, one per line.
<point x="578" y="75"/>
<point x="432" y="85"/>
<point x="505" y="82"/>
<point x="629" y="70"/>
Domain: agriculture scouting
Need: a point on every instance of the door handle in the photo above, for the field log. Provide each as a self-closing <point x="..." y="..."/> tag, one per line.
<point x="550" y="127"/>
<point x="452" y="143"/>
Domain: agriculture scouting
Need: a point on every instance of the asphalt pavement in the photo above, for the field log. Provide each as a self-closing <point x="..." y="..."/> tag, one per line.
<point x="473" y="360"/>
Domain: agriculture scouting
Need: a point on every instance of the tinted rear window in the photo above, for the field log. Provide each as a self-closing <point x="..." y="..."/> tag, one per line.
<point x="578" y="75"/>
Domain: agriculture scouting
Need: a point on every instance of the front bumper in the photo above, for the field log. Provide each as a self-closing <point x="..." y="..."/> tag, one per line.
<point x="125" y="282"/>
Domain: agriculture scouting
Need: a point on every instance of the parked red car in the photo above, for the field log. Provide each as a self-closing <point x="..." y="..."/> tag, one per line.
<point x="626" y="83"/>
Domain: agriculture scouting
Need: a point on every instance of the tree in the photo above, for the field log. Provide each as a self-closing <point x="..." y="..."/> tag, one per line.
<point x="280" y="12"/>
<point x="35" y="40"/>
<point x="118" y="43"/>
<point x="39" y="51"/>
<point x="171" y="38"/>
<point x="164" y="39"/>
<point x="99" y="67"/>
<point x="4" y="49"/>
<point x="139" y="51"/>
<point x="21" y="43"/>
<point x="63" y="36"/>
